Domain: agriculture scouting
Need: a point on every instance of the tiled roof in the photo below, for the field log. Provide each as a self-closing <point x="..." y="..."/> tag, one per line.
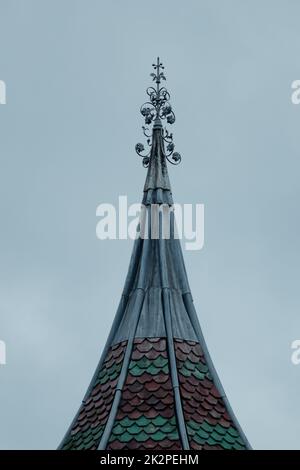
<point x="146" y="417"/>
<point x="88" y="426"/>
<point x="208" y="423"/>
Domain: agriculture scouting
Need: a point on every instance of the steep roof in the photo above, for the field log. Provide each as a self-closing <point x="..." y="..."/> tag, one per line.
<point x="155" y="386"/>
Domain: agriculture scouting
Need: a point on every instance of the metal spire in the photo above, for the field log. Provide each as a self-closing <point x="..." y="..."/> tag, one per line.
<point x="158" y="108"/>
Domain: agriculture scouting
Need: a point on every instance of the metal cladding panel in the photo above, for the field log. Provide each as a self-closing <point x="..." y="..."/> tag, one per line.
<point x="157" y="174"/>
<point x="151" y="323"/>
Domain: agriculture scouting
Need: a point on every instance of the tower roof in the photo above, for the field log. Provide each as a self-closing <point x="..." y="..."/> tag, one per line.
<point x="155" y="386"/>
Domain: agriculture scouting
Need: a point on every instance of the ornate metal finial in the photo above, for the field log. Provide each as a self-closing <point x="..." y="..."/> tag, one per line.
<point x="154" y="110"/>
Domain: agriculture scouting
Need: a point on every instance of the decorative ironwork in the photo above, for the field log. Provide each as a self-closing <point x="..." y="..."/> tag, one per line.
<point x="158" y="108"/>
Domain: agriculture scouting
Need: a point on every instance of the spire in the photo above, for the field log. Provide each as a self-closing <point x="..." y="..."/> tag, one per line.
<point x="155" y="386"/>
<point x="156" y="109"/>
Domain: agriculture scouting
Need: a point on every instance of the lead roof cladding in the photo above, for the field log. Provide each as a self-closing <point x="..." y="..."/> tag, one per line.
<point x="155" y="386"/>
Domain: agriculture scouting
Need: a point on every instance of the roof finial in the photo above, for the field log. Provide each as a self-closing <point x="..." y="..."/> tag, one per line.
<point x="158" y="76"/>
<point x="154" y="110"/>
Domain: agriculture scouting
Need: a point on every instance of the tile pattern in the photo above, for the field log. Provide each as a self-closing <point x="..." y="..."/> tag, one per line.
<point x="87" y="430"/>
<point x="146" y="418"/>
<point x="208" y="423"/>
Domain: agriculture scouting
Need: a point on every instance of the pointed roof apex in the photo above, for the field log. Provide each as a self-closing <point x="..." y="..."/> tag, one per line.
<point x="160" y="141"/>
<point x="156" y="109"/>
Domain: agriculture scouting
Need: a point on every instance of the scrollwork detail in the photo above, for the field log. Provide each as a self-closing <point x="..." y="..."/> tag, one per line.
<point x="158" y="107"/>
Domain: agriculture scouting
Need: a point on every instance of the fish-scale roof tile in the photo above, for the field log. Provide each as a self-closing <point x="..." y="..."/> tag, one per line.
<point x="146" y="417"/>
<point x="154" y="420"/>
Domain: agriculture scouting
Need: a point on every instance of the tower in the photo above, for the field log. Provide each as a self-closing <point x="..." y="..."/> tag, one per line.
<point x="155" y="386"/>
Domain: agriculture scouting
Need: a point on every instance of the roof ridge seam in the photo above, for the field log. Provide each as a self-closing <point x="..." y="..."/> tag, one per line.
<point x="121" y="380"/>
<point x="170" y="346"/>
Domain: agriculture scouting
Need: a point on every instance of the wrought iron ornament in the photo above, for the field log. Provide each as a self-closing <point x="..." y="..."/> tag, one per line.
<point x="158" y="108"/>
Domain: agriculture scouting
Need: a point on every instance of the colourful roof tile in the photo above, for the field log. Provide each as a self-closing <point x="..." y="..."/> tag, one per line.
<point x="152" y="417"/>
<point x="88" y="426"/>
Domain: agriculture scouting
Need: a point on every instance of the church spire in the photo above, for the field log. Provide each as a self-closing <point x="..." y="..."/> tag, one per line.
<point x="155" y="386"/>
<point x="156" y="110"/>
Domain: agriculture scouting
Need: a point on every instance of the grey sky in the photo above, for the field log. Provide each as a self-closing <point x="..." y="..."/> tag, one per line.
<point x="76" y="73"/>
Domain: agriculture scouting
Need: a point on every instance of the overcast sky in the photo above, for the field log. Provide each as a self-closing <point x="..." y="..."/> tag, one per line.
<point x="76" y="73"/>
